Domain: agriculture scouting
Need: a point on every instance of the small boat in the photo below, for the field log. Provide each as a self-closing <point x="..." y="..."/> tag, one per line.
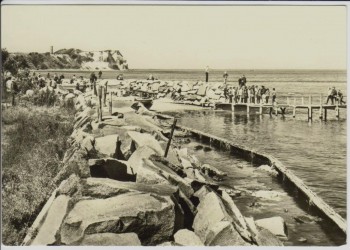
<point x="147" y="102"/>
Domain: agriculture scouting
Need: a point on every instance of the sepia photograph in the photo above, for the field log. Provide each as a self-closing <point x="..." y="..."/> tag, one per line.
<point x="173" y="124"/>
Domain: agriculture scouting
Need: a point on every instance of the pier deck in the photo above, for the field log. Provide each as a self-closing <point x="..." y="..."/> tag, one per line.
<point x="281" y="108"/>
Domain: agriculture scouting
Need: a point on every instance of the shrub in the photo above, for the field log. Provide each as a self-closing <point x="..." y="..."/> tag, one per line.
<point x="41" y="98"/>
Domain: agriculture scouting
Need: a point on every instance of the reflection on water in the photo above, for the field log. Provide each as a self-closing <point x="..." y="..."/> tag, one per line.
<point x="315" y="151"/>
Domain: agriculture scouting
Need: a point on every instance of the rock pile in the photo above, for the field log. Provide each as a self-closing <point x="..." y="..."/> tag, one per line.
<point x="117" y="188"/>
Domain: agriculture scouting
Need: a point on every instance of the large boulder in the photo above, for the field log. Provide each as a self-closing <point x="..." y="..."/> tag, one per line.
<point x="75" y="164"/>
<point x="112" y="121"/>
<point x="186" y="237"/>
<point x="202" y="192"/>
<point x="85" y="119"/>
<point x="107" y="145"/>
<point x="262" y="236"/>
<point x="111" y="168"/>
<point x="111" y="239"/>
<point x="148" y="173"/>
<point x="170" y="175"/>
<point x="150" y="216"/>
<point x="213" y="224"/>
<point x="104" y="188"/>
<point x="88" y="144"/>
<point x="275" y="225"/>
<point x="223" y="233"/>
<point x="135" y="160"/>
<point x="237" y="217"/>
<point x="142" y="139"/>
<point x="49" y="229"/>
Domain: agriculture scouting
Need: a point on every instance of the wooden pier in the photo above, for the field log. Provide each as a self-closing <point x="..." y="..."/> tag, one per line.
<point x="294" y="104"/>
<point x="285" y="175"/>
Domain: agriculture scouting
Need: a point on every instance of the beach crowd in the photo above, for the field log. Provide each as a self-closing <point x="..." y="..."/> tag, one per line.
<point x="219" y="92"/>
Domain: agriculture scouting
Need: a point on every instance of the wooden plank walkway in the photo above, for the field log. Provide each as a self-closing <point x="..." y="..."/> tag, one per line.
<point x="263" y="158"/>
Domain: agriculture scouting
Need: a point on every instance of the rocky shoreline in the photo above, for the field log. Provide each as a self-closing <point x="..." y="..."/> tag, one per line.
<point x="117" y="188"/>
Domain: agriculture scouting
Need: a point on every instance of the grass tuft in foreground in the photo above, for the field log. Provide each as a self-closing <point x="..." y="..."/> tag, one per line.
<point x="34" y="140"/>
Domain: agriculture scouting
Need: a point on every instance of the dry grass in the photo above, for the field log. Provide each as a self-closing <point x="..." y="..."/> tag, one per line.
<point x="34" y="140"/>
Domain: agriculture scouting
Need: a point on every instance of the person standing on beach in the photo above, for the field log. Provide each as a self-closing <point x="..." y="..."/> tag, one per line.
<point x="93" y="80"/>
<point x="11" y="89"/>
<point x="225" y="77"/>
<point x="207" y="74"/>
<point x="99" y="74"/>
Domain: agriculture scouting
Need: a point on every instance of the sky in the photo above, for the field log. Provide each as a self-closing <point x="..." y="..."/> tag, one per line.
<point x="186" y="37"/>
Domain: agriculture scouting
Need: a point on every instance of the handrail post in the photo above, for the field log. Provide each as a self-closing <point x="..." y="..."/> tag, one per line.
<point x="310" y="100"/>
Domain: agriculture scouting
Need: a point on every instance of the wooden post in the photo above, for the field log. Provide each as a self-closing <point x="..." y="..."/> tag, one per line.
<point x="260" y="110"/>
<point x="310" y="100"/>
<point x="337" y="110"/>
<point x="320" y="112"/>
<point x="110" y="103"/>
<point x="247" y="108"/>
<point x="171" y="135"/>
<point x="309" y="109"/>
<point x="99" y="96"/>
<point x="294" y="108"/>
<point x="325" y="114"/>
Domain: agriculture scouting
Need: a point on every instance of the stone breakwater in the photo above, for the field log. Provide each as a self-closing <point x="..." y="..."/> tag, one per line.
<point x="117" y="188"/>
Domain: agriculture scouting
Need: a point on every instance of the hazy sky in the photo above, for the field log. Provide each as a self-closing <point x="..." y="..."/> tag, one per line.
<point x="187" y="37"/>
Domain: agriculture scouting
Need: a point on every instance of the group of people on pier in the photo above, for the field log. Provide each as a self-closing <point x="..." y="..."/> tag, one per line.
<point x="249" y="94"/>
<point x="334" y="95"/>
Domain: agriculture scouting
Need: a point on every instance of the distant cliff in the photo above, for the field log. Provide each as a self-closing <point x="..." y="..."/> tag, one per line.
<point x="72" y="59"/>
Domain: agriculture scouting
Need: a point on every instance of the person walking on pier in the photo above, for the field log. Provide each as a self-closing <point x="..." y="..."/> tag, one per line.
<point x="274" y="95"/>
<point x="258" y="95"/>
<point x="267" y="95"/>
<point x="329" y="95"/>
<point x="340" y="97"/>
<point x="231" y="94"/>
